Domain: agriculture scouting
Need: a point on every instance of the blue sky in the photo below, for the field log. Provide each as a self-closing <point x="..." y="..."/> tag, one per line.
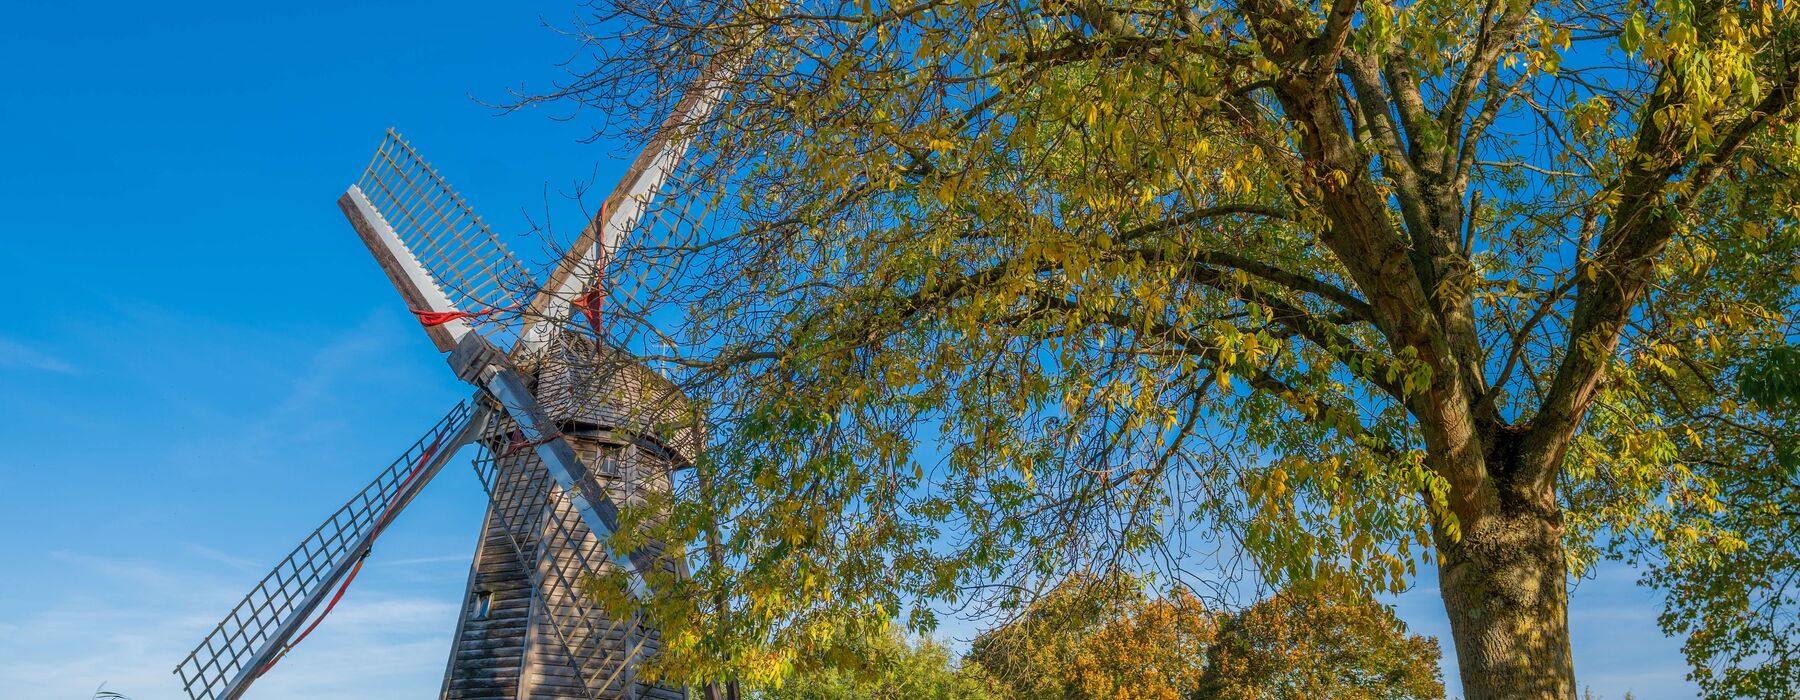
<point x="198" y="360"/>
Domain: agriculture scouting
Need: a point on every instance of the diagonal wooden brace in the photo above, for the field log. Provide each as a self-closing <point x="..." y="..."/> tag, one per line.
<point x="478" y="362"/>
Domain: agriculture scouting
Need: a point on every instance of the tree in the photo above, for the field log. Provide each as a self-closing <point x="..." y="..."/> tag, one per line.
<point x="1320" y="641"/>
<point x="1102" y="639"/>
<point x="1099" y="637"/>
<point x="1332" y="288"/>
<point x="1050" y="652"/>
<point x="1152" y="653"/>
<point x="850" y="662"/>
<point x="1732" y="567"/>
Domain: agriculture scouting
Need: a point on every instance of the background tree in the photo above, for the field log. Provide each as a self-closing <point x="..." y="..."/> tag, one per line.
<point x="994" y="290"/>
<point x="1151" y="652"/>
<point x="1104" y="639"/>
<point x="1320" y="641"/>
<point x="1050" y="652"/>
<point x="875" y="662"/>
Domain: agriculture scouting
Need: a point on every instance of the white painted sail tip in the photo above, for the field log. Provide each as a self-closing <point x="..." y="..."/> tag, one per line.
<point x="416" y="285"/>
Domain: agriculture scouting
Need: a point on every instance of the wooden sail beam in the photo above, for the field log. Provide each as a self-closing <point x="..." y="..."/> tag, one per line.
<point x="416" y="286"/>
<point x="581" y="263"/>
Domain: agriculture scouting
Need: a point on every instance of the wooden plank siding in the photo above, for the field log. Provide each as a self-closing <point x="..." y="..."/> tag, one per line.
<point x="541" y="638"/>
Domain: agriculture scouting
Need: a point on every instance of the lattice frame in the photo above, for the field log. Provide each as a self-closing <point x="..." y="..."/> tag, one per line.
<point x="559" y="553"/>
<point x="252" y="624"/>
<point x="467" y="259"/>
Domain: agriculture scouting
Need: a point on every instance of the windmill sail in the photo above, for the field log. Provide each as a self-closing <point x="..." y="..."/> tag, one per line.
<point x="530" y="629"/>
<point x="637" y="202"/>
<point x="613" y="431"/>
<point x="262" y="625"/>
<point x="437" y="251"/>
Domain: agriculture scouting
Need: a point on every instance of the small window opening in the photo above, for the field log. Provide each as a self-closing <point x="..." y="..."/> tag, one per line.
<point x="483" y="600"/>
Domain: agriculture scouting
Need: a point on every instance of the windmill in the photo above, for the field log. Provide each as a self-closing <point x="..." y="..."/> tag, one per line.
<point x="567" y="428"/>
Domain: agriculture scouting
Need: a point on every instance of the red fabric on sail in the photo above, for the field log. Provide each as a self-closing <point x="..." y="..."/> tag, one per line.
<point x="593" y="302"/>
<point x="438" y="318"/>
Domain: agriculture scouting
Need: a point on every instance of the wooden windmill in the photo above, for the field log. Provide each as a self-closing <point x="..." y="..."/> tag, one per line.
<point x="568" y="431"/>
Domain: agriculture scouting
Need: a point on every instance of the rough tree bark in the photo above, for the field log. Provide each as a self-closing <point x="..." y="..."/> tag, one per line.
<point x="1504" y="586"/>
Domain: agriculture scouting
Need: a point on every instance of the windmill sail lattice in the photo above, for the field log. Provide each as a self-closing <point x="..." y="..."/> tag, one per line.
<point x="534" y="633"/>
<point x="465" y="258"/>
<point x="244" y="643"/>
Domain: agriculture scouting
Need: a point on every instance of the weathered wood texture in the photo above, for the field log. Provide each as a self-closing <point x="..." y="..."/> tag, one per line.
<point x="612" y="391"/>
<point x="542" y="638"/>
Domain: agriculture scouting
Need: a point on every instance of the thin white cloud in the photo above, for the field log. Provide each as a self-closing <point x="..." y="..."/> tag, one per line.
<point x="17" y="355"/>
<point x="133" y="620"/>
<point x="421" y="561"/>
<point x="211" y="554"/>
<point x="307" y="413"/>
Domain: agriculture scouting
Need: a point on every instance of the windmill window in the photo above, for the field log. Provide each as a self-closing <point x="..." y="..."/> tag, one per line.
<point x="604" y="462"/>
<point x="483" y="600"/>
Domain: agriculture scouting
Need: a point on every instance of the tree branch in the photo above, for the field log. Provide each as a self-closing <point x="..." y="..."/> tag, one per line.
<point x="1638" y="229"/>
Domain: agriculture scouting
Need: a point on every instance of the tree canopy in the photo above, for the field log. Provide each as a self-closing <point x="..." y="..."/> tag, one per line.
<point x="978" y="293"/>
<point x="1320" y="641"/>
<point x="874" y="662"/>
<point x="1099" y="639"/>
<point x="1103" y="638"/>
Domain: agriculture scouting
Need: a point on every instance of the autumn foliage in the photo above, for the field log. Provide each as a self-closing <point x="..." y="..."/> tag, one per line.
<point x="1320" y="643"/>
<point x="981" y="294"/>
<point x="1103" y="638"/>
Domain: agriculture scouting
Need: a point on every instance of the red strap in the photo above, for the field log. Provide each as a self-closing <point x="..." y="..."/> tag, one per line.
<point x="418" y="467"/>
<point x="514" y="443"/>
<point x="321" y="618"/>
<point x="593" y="301"/>
<point x="438" y="318"/>
<point x="517" y="442"/>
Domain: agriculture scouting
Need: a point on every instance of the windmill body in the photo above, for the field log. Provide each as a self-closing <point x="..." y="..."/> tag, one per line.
<point x="525" y="630"/>
<point x="567" y="431"/>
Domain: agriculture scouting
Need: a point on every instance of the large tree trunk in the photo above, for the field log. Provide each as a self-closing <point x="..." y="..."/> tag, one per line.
<point x="1505" y="588"/>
